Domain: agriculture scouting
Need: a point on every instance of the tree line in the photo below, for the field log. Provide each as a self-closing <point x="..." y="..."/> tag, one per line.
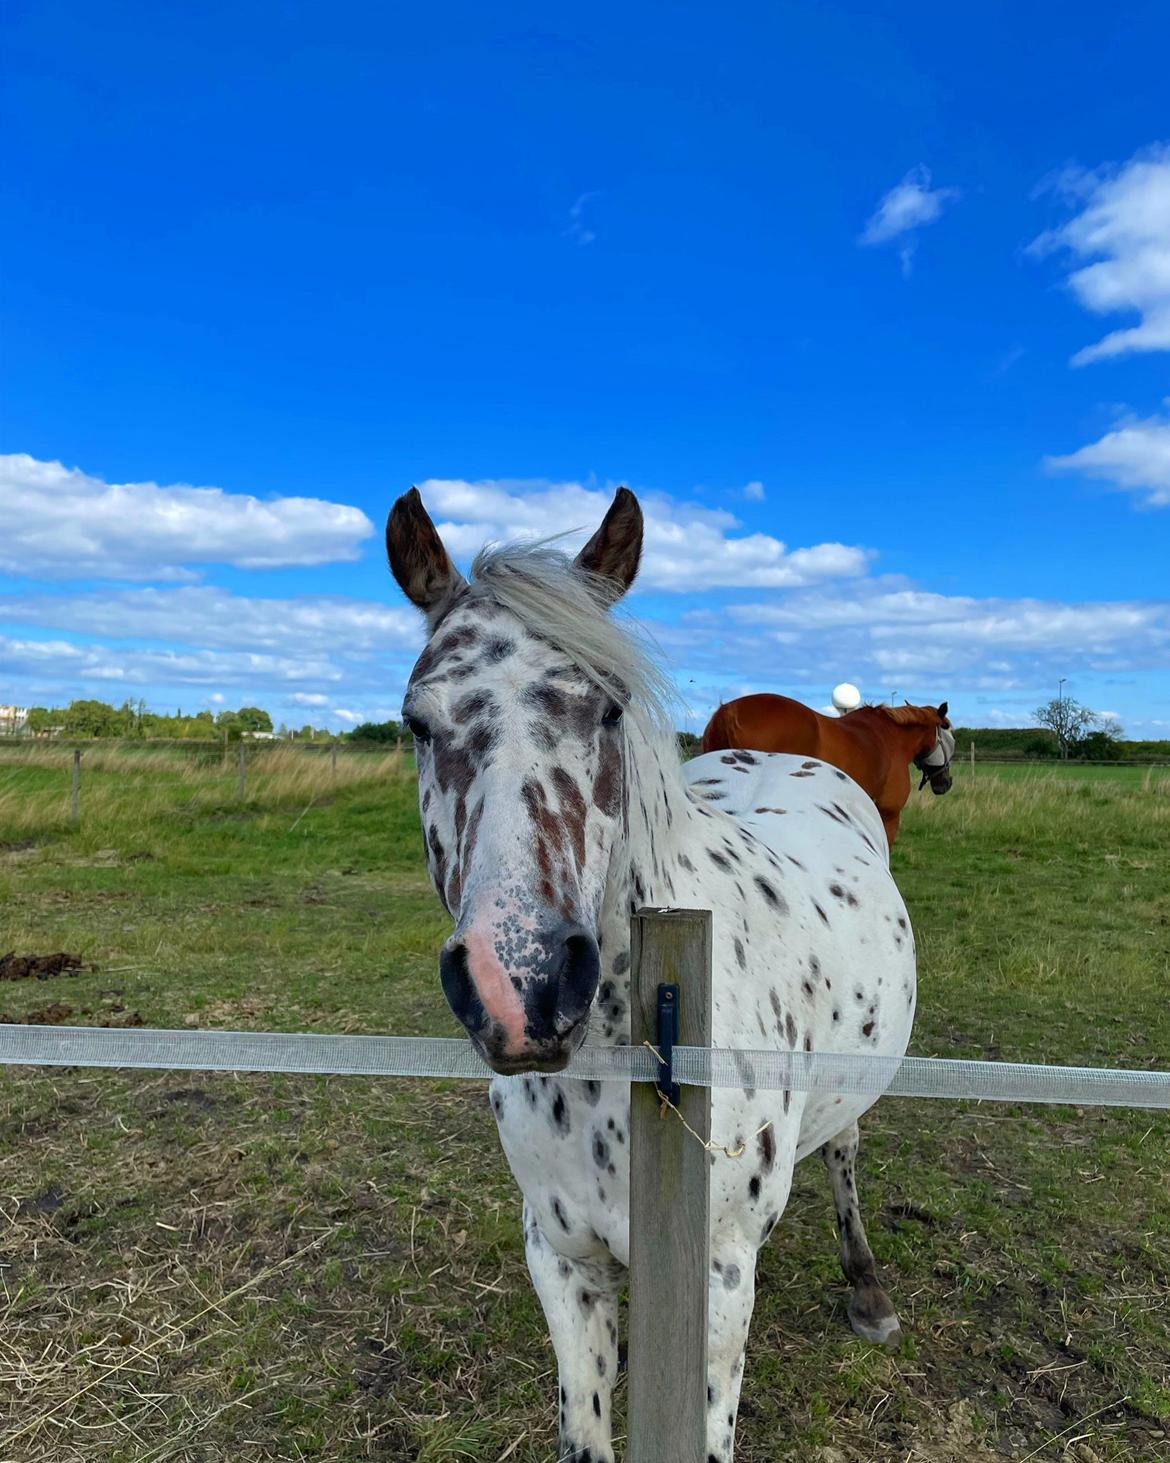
<point x="90" y="718"/>
<point x="1063" y="728"/>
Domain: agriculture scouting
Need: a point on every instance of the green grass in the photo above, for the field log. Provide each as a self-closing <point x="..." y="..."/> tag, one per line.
<point x="261" y="1267"/>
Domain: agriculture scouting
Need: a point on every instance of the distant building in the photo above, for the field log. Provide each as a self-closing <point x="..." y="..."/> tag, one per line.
<point x="12" y="720"/>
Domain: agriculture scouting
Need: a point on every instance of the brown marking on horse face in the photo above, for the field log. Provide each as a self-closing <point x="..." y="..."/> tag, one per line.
<point x="455" y="769"/>
<point x="607" y="785"/>
<point x="549" y="846"/>
<point x="472" y="833"/>
<point x="471" y="706"/>
<point x="439" y="858"/>
<point x="573" y="812"/>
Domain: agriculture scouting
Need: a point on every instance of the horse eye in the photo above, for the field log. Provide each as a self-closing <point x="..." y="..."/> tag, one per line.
<point x="613" y="715"/>
<point x="418" y="729"/>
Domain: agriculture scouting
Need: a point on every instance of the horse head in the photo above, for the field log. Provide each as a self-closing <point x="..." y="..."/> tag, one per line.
<point x="518" y="705"/>
<point x="934" y="761"/>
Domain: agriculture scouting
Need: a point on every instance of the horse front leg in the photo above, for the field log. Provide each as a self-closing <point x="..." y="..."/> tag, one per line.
<point x="731" y="1295"/>
<point x="871" y="1312"/>
<point x="580" y="1303"/>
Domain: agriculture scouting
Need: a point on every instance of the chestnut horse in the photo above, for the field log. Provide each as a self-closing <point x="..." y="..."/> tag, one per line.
<point x="875" y="745"/>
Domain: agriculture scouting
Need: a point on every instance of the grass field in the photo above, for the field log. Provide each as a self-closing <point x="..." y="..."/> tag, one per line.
<point x="206" y="1268"/>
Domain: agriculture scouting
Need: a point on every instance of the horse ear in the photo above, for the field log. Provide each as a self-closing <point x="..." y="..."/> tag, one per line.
<point x="418" y="560"/>
<point x="612" y="555"/>
<point x="942" y="711"/>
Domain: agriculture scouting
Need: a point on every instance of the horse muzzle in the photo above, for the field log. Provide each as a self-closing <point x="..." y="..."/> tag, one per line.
<point x="524" y="1001"/>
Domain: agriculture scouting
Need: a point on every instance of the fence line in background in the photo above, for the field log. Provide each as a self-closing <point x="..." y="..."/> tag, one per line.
<point x="75" y="789"/>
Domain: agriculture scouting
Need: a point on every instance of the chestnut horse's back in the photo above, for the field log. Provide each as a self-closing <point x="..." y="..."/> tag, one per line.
<point x="874" y="745"/>
<point x="764" y="723"/>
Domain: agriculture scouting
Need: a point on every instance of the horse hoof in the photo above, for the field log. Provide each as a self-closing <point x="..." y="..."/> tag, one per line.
<point x="873" y="1318"/>
<point x="884" y="1332"/>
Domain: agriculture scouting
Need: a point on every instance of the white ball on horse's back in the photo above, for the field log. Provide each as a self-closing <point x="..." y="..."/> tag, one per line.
<point x="846" y="697"/>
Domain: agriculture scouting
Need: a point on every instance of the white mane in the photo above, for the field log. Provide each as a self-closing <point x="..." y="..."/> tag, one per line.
<point x="563" y="605"/>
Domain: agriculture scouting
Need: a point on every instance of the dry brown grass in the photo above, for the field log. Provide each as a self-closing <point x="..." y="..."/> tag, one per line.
<point x="123" y="788"/>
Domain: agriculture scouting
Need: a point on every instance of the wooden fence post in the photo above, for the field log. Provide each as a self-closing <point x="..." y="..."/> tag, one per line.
<point x="75" y="789"/>
<point x="333" y="758"/>
<point x="670" y="1191"/>
<point x="240" y="790"/>
<point x="972" y="759"/>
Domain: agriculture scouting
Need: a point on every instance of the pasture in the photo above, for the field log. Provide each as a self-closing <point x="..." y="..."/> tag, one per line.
<point x="269" y="1268"/>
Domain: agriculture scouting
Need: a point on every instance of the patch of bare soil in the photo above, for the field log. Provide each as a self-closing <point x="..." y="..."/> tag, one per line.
<point x="56" y="1013"/>
<point x="40" y="967"/>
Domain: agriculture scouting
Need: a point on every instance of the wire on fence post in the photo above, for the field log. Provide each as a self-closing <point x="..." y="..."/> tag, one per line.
<point x="75" y="789"/>
<point x="669" y="1197"/>
<point x="240" y="789"/>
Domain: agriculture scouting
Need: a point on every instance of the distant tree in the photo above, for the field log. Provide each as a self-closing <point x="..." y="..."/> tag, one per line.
<point x="1098" y="746"/>
<point x="1067" y="720"/>
<point x="253" y="719"/>
<point x="90" y="719"/>
<point x="41" y="718"/>
<point x="688" y="744"/>
<point x="376" y="731"/>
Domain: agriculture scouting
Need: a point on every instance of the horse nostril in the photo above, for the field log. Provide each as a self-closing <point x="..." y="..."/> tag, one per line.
<point x="459" y="988"/>
<point x="577" y="979"/>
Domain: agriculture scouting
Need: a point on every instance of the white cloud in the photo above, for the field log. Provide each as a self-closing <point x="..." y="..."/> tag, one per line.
<point x="578" y="229"/>
<point x="206" y="616"/>
<point x="1123" y="227"/>
<point x="1135" y="456"/>
<point x="754" y="492"/>
<point x="935" y="643"/>
<point x="137" y="667"/>
<point x="909" y="205"/>
<point x="58" y="522"/>
<point x="687" y="547"/>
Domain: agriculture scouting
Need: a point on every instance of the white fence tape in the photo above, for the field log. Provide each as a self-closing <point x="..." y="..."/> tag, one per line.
<point x="433" y="1056"/>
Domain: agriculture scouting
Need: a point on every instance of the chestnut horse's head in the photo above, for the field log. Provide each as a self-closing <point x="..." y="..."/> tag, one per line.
<point x="522" y="706"/>
<point x="934" y="761"/>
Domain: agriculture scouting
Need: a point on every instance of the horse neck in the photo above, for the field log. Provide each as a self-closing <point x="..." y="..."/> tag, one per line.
<point x="644" y="868"/>
<point x="909" y="738"/>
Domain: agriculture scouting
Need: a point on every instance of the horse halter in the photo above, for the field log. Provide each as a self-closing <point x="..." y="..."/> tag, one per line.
<point x="938" y="759"/>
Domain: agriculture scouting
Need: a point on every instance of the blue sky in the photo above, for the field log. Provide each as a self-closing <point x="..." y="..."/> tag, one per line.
<point x="871" y="304"/>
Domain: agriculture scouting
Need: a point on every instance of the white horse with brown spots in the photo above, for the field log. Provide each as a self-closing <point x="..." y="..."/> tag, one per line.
<point x="553" y="805"/>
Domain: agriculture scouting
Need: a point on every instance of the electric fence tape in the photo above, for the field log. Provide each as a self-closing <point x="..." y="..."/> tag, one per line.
<point x="433" y="1056"/>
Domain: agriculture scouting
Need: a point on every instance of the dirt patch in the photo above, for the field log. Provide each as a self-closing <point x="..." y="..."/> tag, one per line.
<point x="193" y="1096"/>
<point x="40" y="967"/>
<point x="48" y="1201"/>
<point x="54" y="1014"/>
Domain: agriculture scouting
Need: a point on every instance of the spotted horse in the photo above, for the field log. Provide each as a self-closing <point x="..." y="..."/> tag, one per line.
<point x="553" y="805"/>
